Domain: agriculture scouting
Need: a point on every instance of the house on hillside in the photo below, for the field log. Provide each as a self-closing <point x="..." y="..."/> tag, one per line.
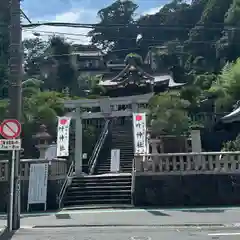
<point x="88" y="58"/>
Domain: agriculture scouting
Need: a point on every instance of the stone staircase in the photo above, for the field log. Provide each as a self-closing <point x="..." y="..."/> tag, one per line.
<point x="111" y="189"/>
<point x="106" y="188"/>
<point x="121" y="137"/>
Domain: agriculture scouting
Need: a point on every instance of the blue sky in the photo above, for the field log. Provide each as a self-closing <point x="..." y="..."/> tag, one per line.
<point x="37" y="8"/>
<point x="82" y="11"/>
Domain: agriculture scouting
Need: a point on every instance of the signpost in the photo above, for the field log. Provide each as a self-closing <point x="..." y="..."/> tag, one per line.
<point x="10" y="144"/>
<point x="11" y="129"/>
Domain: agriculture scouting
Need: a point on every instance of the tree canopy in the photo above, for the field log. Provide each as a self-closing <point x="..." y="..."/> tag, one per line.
<point x="197" y="41"/>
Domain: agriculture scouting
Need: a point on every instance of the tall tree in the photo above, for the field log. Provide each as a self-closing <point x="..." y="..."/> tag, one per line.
<point x="118" y="37"/>
<point x="60" y="50"/>
<point x="34" y="53"/>
<point x="228" y="45"/>
<point x="202" y="38"/>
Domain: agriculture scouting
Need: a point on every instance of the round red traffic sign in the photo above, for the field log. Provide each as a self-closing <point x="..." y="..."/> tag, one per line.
<point x="10" y="128"/>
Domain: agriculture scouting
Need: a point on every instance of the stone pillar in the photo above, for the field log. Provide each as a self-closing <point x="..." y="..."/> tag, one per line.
<point x="196" y="140"/>
<point x="138" y="163"/>
<point x="78" y="143"/>
<point x="196" y="147"/>
<point x="134" y="107"/>
<point x="43" y="139"/>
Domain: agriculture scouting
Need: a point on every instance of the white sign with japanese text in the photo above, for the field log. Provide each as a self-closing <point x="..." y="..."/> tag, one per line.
<point x="10" y="144"/>
<point x="115" y="160"/>
<point x="38" y="181"/>
<point x="63" y="136"/>
<point x="51" y="152"/>
<point x="140" y="133"/>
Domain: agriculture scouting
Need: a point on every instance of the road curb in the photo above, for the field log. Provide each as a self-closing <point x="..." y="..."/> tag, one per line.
<point x="97" y="207"/>
<point x="168" y="226"/>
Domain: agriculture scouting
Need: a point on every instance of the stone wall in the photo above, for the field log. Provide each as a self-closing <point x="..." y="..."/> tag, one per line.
<point x="57" y="174"/>
<point x="187" y="190"/>
<point x="54" y="187"/>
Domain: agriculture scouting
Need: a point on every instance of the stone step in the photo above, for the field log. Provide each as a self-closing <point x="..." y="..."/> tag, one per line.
<point x="106" y="165"/>
<point x="107" y="168"/>
<point x="126" y="170"/>
<point x="103" y="196"/>
<point x="97" y="188"/>
<point x="117" y="183"/>
<point x="92" y="194"/>
<point x="105" y="189"/>
<point x="97" y="201"/>
<point x="129" y="164"/>
<point x="108" y="162"/>
<point x="122" y="161"/>
<point x="121" y="139"/>
<point x="105" y="177"/>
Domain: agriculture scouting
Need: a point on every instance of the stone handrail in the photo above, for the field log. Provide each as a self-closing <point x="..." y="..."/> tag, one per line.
<point x="188" y="163"/>
<point x="57" y="168"/>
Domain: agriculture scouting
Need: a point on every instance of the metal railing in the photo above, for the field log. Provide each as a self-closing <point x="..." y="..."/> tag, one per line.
<point x="93" y="160"/>
<point x="66" y="183"/>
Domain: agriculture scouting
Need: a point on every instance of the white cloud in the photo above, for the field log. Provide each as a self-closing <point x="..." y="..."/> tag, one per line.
<point x="152" y="11"/>
<point x="72" y="16"/>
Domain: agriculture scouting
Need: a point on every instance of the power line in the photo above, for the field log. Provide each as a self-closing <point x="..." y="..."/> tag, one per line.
<point x="50" y="34"/>
<point x="25" y="16"/>
<point x="53" y="32"/>
<point x="213" y="26"/>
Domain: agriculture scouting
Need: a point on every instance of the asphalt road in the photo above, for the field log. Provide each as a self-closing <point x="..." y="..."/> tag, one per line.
<point x="131" y="224"/>
<point x="124" y="233"/>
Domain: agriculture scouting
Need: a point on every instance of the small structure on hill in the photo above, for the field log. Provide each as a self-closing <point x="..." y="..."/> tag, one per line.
<point x="133" y="78"/>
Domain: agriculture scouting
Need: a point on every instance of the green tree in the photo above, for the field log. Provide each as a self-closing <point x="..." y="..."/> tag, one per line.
<point x="66" y="75"/>
<point x="168" y="114"/>
<point x="209" y="30"/>
<point x="34" y="53"/>
<point x="122" y="37"/>
<point x="228" y="45"/>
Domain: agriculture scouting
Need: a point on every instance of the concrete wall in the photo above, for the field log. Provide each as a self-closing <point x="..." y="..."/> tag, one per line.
<point x="54" y="187"/>
<point x="188" y="190"/>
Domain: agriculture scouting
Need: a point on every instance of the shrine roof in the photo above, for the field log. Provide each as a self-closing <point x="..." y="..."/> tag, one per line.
<point x="157" y="79"/>
<point x="165" y="77"/>
<point x="234" y="116"/>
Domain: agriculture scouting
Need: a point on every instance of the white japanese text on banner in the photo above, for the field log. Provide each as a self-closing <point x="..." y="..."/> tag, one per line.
<point x="63" y="136"/>
<point x="140" y="133"/>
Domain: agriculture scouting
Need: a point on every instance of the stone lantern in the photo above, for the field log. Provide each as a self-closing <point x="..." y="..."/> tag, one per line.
<point x="43" y="139"/>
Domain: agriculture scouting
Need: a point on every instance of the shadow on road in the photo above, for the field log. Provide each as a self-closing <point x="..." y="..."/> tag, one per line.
<point x="63" y="216"/>
<point x="157" y="213"/>
<point x="6" y="235"/>
<point x="4" y="217"/>
<point x="204" y="210"/>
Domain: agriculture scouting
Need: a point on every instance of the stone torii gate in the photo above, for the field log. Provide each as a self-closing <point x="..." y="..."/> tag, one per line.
<point x="101" y="108"/>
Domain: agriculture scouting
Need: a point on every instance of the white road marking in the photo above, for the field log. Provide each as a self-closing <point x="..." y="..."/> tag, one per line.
<point x="224" y="234"/>
<point x="27" y="227"/>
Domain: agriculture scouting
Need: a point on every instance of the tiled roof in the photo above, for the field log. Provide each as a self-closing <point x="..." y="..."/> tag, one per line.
<point x="157" y="79"/>
<point x="234" y="116"/>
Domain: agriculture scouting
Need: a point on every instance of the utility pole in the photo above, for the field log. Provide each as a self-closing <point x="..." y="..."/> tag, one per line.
<point x="15" y="110"/>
